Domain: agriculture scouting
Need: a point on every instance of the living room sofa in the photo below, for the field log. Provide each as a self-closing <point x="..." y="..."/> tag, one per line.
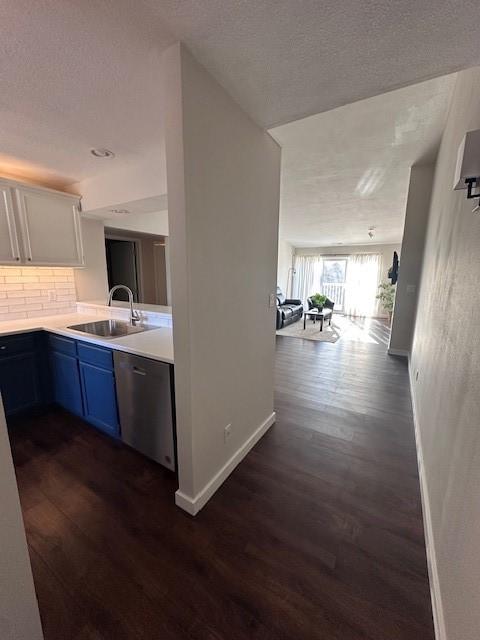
<point x="288" y="310"/>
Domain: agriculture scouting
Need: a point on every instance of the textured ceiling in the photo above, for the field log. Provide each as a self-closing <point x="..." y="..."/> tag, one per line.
<point x="348" y="169"/>
<point x="74" y="75"/>
<point x="285" y="59"/>
<point x="77" y="75"/>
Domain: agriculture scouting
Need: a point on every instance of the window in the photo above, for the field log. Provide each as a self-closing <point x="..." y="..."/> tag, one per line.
<point x="350" y="281"/>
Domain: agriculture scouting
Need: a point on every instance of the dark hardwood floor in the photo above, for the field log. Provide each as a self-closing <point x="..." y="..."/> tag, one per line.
<point x="316" y="535"/>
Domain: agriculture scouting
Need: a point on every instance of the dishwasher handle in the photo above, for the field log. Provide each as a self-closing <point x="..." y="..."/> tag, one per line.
<point x="138" y="371"/>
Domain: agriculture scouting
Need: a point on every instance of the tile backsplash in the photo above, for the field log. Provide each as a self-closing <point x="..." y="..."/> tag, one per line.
<point x="31" y="292"/>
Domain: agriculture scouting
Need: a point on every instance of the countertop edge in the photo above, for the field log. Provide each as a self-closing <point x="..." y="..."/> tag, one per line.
<point x="105" y="342"/>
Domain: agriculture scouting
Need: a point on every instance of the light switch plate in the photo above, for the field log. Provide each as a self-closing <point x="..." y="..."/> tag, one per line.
<point x="271" y="300"/>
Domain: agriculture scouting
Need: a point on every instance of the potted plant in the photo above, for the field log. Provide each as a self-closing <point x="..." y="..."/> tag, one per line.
<point x="318" y="300"/>
<point x="386" y="295"/>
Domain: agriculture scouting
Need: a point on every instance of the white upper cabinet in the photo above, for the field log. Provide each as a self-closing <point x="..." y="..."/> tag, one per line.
<point x="50" y="227"/>
<point x="9" y="249"/>
<point x="39" y="226"/>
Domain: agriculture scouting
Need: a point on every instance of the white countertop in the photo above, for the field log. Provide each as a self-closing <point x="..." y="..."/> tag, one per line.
<point x="155" y="343"/>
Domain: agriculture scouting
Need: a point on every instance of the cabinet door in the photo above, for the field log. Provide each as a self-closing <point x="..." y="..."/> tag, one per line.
<point x="66" y="382"/>
<point x="50" y="225"/>
<point x="19" y="383"/>
<point x="99" y="397"/>
<point x="9" y="248"/>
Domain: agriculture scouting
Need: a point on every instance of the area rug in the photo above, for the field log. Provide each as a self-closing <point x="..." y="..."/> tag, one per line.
<point x="312" y="331"/>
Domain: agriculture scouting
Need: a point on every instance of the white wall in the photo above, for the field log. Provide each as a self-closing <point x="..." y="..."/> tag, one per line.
<point x="168" y="273"/>
<point x="91" y="282"/>
<point x="223" y="193"/>
<point x="416" y="220"/>
<point x="446" y="355"/>
<point x="155" y="223"/>
<point x="19" y="618"/>
<point x="285" y="261"/>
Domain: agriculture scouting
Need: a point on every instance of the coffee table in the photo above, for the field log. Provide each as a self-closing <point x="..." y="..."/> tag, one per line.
<point x="321" y="315"/>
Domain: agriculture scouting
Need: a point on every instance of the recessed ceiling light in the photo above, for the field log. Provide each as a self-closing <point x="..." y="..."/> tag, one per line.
<point x="102" y="153"/>
<point x="119" y="212"/>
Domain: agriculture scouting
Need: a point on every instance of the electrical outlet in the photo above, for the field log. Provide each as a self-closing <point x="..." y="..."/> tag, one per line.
<point x="52" y="295"/>
<point x="227" y="432"/>
<point x="271" y="300"/>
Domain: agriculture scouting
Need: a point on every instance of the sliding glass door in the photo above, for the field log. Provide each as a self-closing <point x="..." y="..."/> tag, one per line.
<point x="333" y="280"/>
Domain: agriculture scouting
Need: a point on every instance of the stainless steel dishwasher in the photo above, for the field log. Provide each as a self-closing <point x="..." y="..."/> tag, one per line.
<point x="144" y="396"/>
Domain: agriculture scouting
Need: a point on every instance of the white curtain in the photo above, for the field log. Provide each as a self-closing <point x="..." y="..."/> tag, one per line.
<point x="363" y="274"/>
<point x="307" y="277"/>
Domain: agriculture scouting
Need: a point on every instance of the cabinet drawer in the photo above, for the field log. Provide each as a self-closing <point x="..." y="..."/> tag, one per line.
<point x="95" y="355"/>
<point x="21" y="343"/>
<point x="63" y="345"/>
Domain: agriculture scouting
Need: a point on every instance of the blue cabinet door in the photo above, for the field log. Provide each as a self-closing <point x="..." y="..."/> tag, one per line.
<point x="66" y="382"/>
<point x="19" y="383"/>
<point x="99" y="397"/>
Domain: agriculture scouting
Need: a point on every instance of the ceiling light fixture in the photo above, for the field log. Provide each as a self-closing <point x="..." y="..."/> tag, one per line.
<point x="102" y="153"/>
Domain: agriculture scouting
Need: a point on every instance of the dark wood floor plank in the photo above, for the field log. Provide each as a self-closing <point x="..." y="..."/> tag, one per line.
<point x="317" y="535"/>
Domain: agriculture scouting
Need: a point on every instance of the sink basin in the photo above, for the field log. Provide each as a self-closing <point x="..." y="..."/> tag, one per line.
<point x="109" y="328"/>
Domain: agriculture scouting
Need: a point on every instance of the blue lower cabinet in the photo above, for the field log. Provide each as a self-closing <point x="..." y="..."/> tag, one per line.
<point x="99" y="397"/>
<point x="66" y="382"/>
<point x="20" y="383"/>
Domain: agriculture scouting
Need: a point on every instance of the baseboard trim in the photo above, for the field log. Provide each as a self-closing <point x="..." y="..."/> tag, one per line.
<point x="193" y="505"/>
<point x="435" y="594"/>
<point x="398" y="352"/>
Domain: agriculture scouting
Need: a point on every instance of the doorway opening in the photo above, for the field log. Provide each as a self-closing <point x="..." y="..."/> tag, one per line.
<point x="139" y="261"/>
<point x="122" y="266"/>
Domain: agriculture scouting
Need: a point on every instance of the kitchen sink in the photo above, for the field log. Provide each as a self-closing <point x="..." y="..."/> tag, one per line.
<point x="110" y="328"/>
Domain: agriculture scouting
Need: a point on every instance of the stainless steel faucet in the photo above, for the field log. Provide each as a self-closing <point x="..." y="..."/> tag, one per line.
<point x="134" y="315"/>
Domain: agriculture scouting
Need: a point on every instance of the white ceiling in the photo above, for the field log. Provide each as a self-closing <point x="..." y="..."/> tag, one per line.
<point x="77" y="75"/>
<point x="285" y="59"/>
<point x="348" y="169"/>
<point x="74" y="75"/>
<point x="132" y="207"/>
